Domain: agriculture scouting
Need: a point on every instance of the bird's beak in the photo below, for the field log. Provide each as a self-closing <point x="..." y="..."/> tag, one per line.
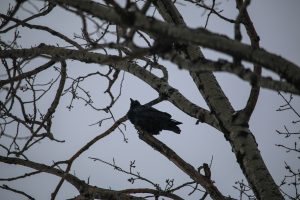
<point x="131" y="100"/>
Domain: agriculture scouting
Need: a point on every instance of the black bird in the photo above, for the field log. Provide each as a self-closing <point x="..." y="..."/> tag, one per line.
<point x="151" y="120"/>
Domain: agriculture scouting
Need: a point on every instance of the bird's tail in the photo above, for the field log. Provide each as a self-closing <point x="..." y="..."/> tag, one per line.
<point x="172" y="126"/>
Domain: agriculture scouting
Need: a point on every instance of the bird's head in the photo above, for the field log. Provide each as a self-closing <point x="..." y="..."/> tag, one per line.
<point x="134" y="103"/>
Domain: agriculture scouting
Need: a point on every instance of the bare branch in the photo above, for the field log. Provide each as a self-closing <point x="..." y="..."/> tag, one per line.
<point x="203" y="37"/>
<point x="180" y="163"/>
<point x="6" y="187"/>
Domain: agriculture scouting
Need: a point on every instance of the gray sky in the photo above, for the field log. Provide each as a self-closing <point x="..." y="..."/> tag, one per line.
<point x="277" y="23"/>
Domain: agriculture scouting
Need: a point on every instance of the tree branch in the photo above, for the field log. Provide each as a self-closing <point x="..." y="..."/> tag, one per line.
<point x="246" y="113"/>
<point x="284" y="68"/>
<point x="82" y="187"/>
<point x="181" y="164"/>
<point x="162" y="87"/>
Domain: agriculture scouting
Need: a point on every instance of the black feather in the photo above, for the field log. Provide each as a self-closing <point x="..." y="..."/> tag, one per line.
<point x="151" y="120"/>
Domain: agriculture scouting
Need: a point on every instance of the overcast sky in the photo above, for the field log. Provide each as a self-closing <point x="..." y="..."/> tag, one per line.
<point x="277" y="23"/>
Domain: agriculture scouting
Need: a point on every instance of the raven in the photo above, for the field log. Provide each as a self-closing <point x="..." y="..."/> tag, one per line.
<point x="151" y="120"/>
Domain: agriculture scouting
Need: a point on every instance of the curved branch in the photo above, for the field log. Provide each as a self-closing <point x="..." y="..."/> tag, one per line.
<point x="224" y="66"/>
<point x="284" y="68"/>
<point x="80" y="185"/>
<point x="6" y="187"/>
<point x="27" y="74"/>
<point x="43" y="28"/>
<point x="83" y="149"/>
<point x="254" y="39"/>
<point x="11" y="13"/>
<point x="160" y="85"/>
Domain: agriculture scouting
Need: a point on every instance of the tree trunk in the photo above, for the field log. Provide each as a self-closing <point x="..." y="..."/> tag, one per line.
<point x="241" y="139"/>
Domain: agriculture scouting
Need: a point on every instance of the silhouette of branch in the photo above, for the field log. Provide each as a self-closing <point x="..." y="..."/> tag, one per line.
<point x="42" y="28"/>
<point x="291" y="180"/>
<point x="181" y="164"/>
<point x="83" y="188"/>
<point x="44" y="11"/>
<point x="211" y="10"/>
<point x="6" y="187"/>
<point x="27" y="74"/>
<point x="20" y="177"/>
<point x="157" y="192"/>
<point x="287" y="106"/>
<point x="136" y="176"/>
<point x="244" y="190"/>
<point x="70" y="161"/>
<point x="36" y="122"/>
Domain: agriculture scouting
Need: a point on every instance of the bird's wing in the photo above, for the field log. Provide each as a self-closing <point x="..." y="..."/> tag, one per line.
<point x="153" y="121"/>
<point x="149" y="116"/>
<point x="154" y="112"/>
<point x="147" y="121"/>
